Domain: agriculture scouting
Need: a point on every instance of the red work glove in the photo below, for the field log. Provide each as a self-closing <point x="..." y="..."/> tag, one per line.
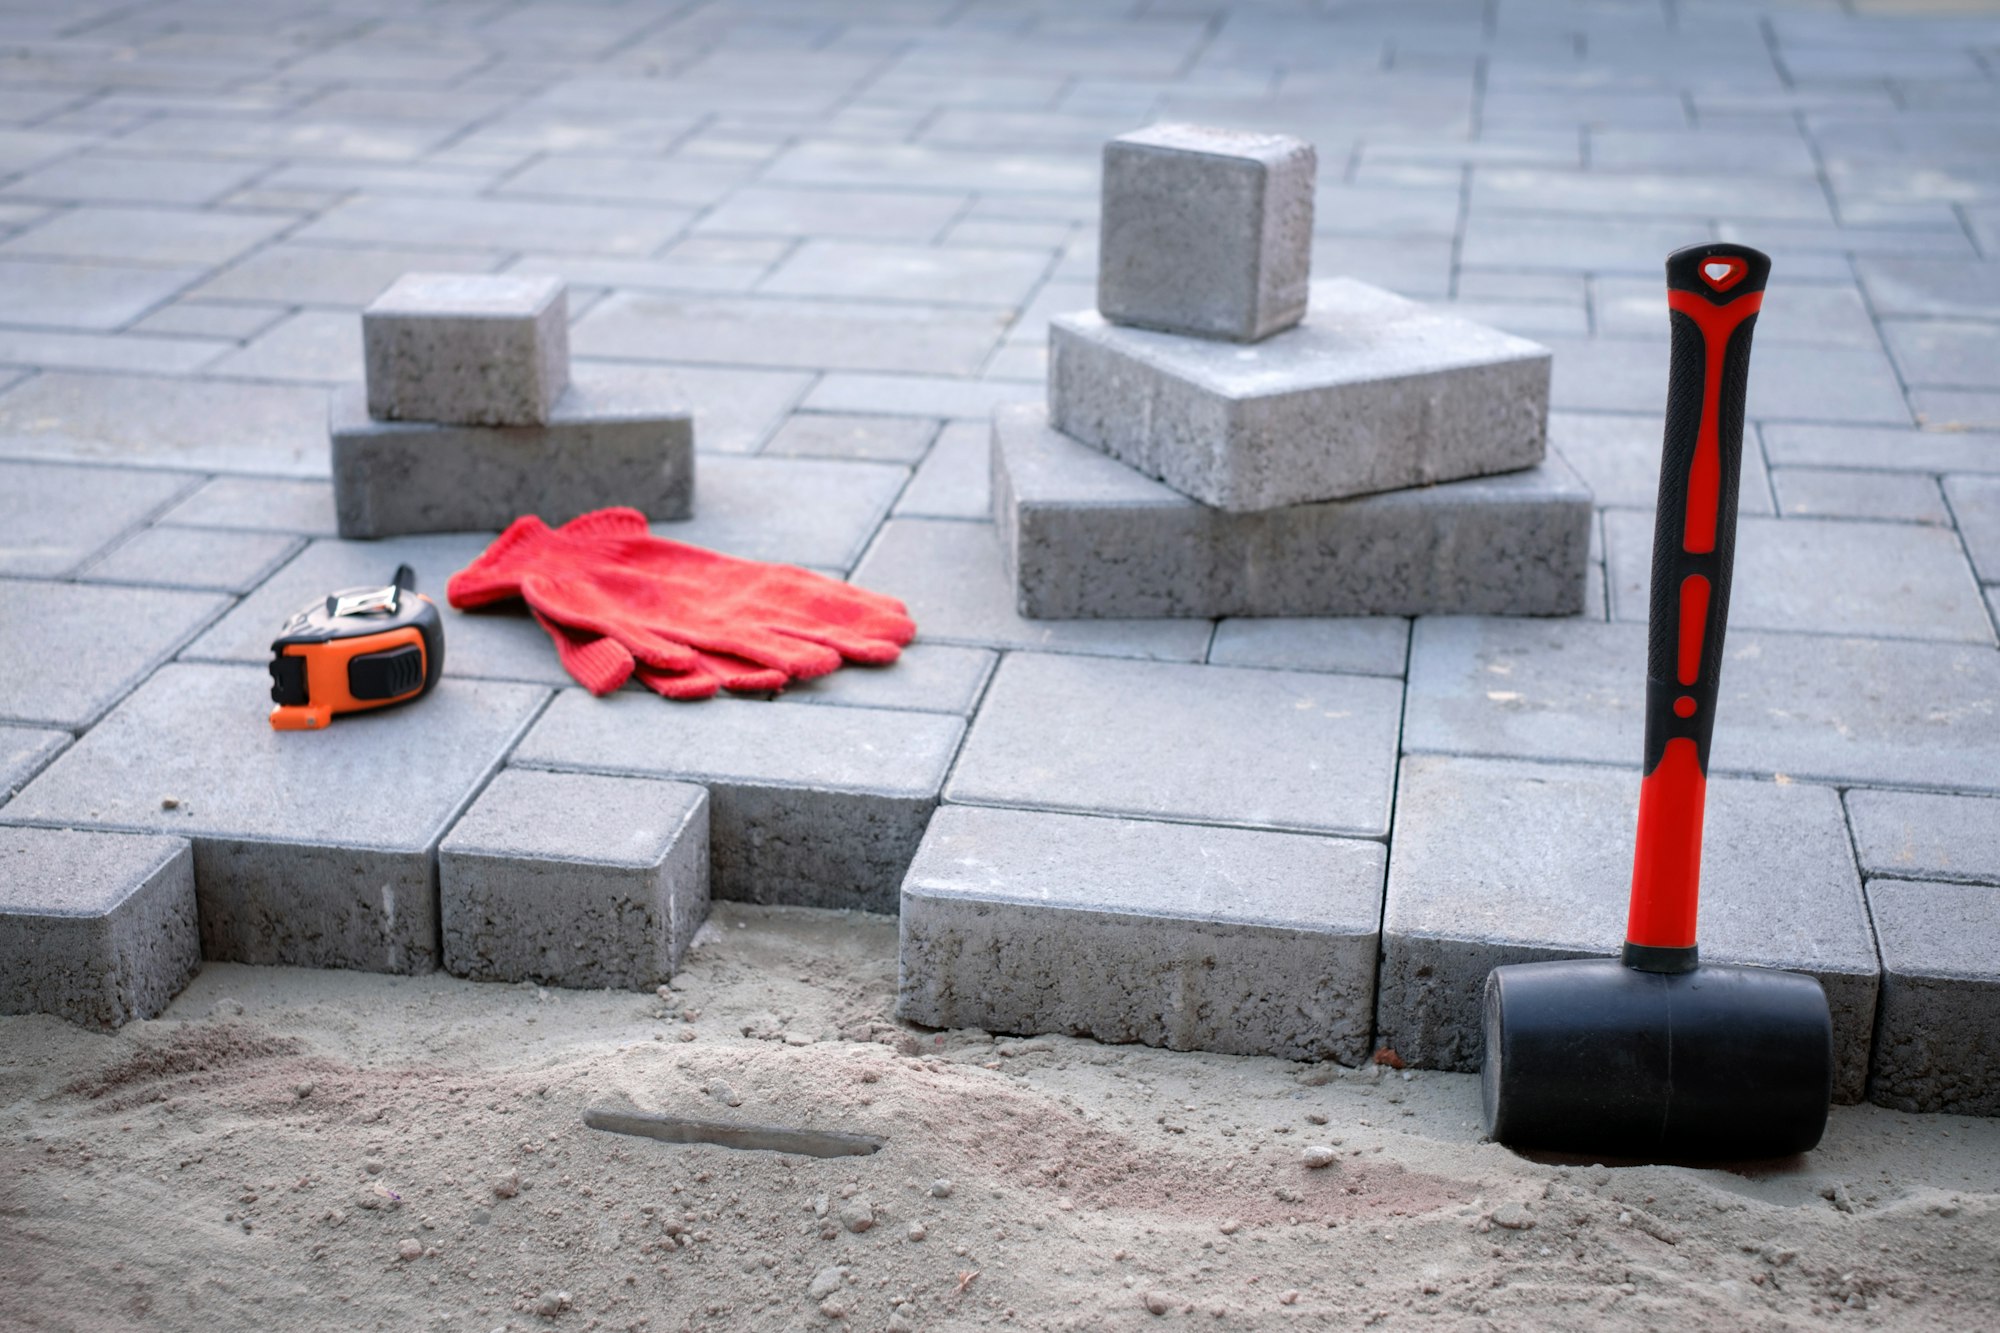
<point x="617" y="599"/>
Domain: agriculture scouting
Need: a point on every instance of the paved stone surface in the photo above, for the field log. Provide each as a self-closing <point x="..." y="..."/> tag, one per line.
<point x="1206" y="231"/>
<point x="1174" y="935"/>
<point x="258" y="504"/>
<point x="847" y="435"/>
<point x="1618" y="457"/>
<point x="1214" y="745"/>
<point x="202" y="558"/>
<point x="808" y="806"/>
<point x="79" y="649"/>
<point x="312" y="849"/>
<point x="24" y="752"/>
<point x="1497" y="863"/>
<point x="467" y="349"/>
<point x="1087" y="536"/>
<point x="1975" y="501"/>
<point x="926" y="678"/>
<point x="98" y="928"/>
<point x="1919" y="835"/>
<point x="53" y="518"/>
<point x="1811" y="492"/>
<point x="574" y="880"/>
<point x="1937" y="1047"/>
<point x="155" y="421"/>
<point x="806" y="511"/>
<point x="612" y="439"/>
<point x="1371" y="393"/>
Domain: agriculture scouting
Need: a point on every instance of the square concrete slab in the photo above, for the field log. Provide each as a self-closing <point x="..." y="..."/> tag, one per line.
<point x="312" y="849"/>
<point x="1086" y="536"/>
<point x="53" y="516"/>
<point x="1370" y="393"/>
<point x="1921" y="835"/>
<point x="1808" y="706"/>
<point x="610" y="440"/>
<point x="169" y="557"/>
<point x="73" y="650"/>
<point x="24" y="752"/>
<point x="475" y="349"/>
<point x="1192" y="744"/>
<point x="1192" y="938"/>
<point x="98" y="928"/>
<point x="1206" y="231"/>
<point x="1357" y="645"/>
<point x="571" y="879"/>
<point x="1495" y="863"/>
<point x="1937" y="1042"/>
<point x="808" y="806"/>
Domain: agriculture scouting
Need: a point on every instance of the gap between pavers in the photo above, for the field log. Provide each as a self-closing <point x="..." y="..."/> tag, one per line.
<point x="1937" y="1044"/>
<point x="1920" y="835"/>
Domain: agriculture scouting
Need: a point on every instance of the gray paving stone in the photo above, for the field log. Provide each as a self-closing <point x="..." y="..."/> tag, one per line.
<point x="953" y="577"/>
<point x="1371" y="393"/>
<point x="912" y="395"/>
<point x="927" y="678"/>
<point x="1788" y="381"/>
<point x="1975" y="501"/>
<point x="97" y="928"/>
<point x="72" y="651"/>
<point x="955" y="478"/>
<point x="808" y="806"/>
<point x="847" y="435"/>
<point x="1359" y="645"/>
<point x="627" y="180"/>
<point x="612" y="439"/>
<point x="1956" y="409"/>
<point x="571" y="879"/>
<point x="1919" y="835"/>
<point x="1206" y="231"/>
<point x="200" y="558"/>
<point x="24" y="752"/>
<point x="865" y="270"/>
<point x="316" y="346"/>
<point x="1813" y="707"/>
<point x="1618" y="456"/>
<point x="1813" y="314"/>
<point x="1873" y="447"/>
<point x="799" y="511"/>
<point x="1910" y="285"/>
<point x="506" y="225"/>
<point x="1811" y="492"/>
<point x="1891" y="579"/>
<point x="1204" y="939"/>
<point x="331" y="275"/>
<point x="146" y="235"/>
<point x="103" y="296"/>
<point x="257" y="504"/>
<point x="1957" y="353"/>
<point x="157" y="421"/>
<point x="1496" y="863"/>
<point x="148" y="179"/>
<point x="311" y="849"/>
<point x="467" y="349"/>
<point x="1086" y="536"/>
<point x="1208" y="745"/>
<point x="53" y="517"/>
<point x="1575" y="245"/>
<point x="1937" y="1043"/>
<point x="897" y="165"/>
<point x="210" y="319"/>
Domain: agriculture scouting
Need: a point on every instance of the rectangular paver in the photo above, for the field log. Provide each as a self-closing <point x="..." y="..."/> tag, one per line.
<point x="206" y="558"/>
<point x="1359" y="645"/>
<point x="53" y="517"/>
<point x="1937" y="1043"/>
<point x="1975" y="503"/>
<point x="70" y="651"/>
<point x="160" y="421"/>
<point x="1495" y="863"/>
<point x="1924" y="835"/>
<point x="24" y="752"/>
<point x="1192" y="938"/>
<point x="467" y="349"/>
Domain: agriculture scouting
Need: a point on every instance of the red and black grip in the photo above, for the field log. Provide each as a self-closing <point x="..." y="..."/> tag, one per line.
<point x="1713" y="295"/>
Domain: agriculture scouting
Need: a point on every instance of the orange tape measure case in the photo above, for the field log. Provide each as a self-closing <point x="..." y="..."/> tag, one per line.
<point x="353" y="650"/>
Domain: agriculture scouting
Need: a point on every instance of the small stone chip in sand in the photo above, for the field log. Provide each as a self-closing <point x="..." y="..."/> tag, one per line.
<point x="507" y="1186"/>
<point x="940" y="1189"/>
<point x="1319" y="1155"/>
<point x="170" y="803"/>
<point x="916" y="1231"/>
<point x="1231" y="1226"/>
<point x="1155" y="1303"/>
<point x="410" y="1248"/>
<point x="551" y="1303"/>
<point x="826" y="1282"/>
<point x="1290" y="1296"/>
<point x="1513" y="1216"/>
<point x="857" y="1216"/>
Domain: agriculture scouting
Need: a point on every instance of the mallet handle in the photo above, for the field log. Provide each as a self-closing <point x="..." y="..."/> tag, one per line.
<point x="1713" y="295"/>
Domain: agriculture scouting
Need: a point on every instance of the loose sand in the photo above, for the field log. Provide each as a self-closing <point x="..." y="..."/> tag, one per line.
<point x="333" y="1150"/>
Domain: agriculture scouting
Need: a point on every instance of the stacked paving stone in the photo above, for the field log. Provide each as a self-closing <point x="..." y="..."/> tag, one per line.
<point x="1212" y="447"/>
<point x="471" y="417"/>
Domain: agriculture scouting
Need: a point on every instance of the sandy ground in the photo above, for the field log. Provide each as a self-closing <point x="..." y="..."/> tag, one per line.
<point x="288" y="1149"/>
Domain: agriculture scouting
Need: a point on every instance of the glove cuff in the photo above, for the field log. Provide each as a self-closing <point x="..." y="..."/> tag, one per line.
<point x="599" y="524"/>
<point x="496" y="575"/>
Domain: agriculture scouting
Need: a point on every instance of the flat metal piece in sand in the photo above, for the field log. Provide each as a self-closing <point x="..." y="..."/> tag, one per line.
<point x="766" y="1138"/>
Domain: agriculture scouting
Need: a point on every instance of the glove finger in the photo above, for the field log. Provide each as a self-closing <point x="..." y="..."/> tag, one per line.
<point x="712" y="671"/>
<point x="796" y="658"/>
<point x="850" y="644"/>
<point x="597" y="663"/>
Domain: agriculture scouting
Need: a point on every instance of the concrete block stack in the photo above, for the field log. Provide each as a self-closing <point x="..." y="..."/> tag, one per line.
<point x="1213" y="447"/>
<point x="471" y="416"/>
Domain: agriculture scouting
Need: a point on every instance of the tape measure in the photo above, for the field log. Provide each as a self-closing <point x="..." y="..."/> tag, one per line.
<point x="356" y="649"/>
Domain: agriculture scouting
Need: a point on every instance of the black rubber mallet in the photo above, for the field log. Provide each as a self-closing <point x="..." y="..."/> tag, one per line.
<point x="1652" y="1054"/>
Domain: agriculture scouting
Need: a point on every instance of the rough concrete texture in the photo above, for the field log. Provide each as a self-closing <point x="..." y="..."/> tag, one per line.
<point x="610" y="440"/>
<point x="70" y="651"/>
<point x="1937" y="1043"/>
<point x="1920" y="835"/>
<point x="572" y="879"/>
<point x="209" y="559"/>
<point x="97" y="928"/>
<point x="24" y="752"/>
<point x="926" y="678"/>
<point x="1086" y="536"/>
<point x="469" y="349"/>
<point x="1206" y="231"/>
<point x="1370" y="393"/>
<point x="1361" y="645"/>
<point x="53" y="516"/>
<point x="808" y="805"/>
<point x="1207" y="745"/>
<point x="313" y="849"/>
<point x="1497" y="862"/>
<point x="1175" y="935"/>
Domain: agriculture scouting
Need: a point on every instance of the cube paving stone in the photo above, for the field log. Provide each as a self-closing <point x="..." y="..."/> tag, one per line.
<point x="610" y="441"/>
<point x="24" y="752"/>
<point x="571" y="879"/>
<point x="1087" y="536"/>
<point x="206" y="558"/>
<point x="155" y="421"/>
<point x="1371" y="393"/>
<point x="1920" y="835"/>
<point x="97" y="928"/>
<point x="1206" y="231"/>
<point x="1209" y="745"/>
<point x="1937" y="1040"/>
<point x="258" y="504"/>
<point x="71" y="651"/>
<point x="1813" y="707"/>
<point x="53" y="517"/>
<point x="467" y="349"/>
<point x="312" y="849"/>
<point x="1891" y="579"/>
<point x="1360" y="645"/>
<point x="808" y="806"/>
<point x="1496" y="863"/>
<point x="1174" y="935"/>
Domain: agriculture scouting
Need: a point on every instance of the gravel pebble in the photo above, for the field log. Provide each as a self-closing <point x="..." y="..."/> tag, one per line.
<point x="1319" y="1155"/>
<point x="940" y="1189"/>
<point x="1513" y="1216"/>
<point x="507" y="1186"/>
<point x="826" y="1282"/>
<point x="410" y="1248"/>
<point x="857" y="1215"/>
